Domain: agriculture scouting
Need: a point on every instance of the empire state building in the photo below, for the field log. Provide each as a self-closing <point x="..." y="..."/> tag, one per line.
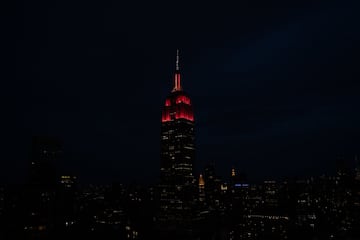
<point x="177" y="149"/>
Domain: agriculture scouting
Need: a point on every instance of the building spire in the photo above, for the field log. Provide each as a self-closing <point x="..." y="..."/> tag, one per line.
<point x="177" y="81"/>
<point x="177" y="60"/>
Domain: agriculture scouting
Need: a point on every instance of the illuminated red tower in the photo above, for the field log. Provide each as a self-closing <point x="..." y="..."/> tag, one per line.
<point x="177" y="134"/>
<point x="177" y="151"/>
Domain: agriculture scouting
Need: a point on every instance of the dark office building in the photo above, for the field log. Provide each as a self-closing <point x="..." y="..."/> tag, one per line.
<point x="40" y="195"/>
<point x="212" y="186"/>
<point x="45" y="152"/>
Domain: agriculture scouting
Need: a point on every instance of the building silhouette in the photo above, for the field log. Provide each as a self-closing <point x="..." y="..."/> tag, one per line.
<point x="40" y="194"/>
<point x="45" y="152"/>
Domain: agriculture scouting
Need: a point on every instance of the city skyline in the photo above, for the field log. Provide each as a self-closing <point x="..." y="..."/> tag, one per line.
<point x="185" y="121"/>
<point x="274" y="87"/>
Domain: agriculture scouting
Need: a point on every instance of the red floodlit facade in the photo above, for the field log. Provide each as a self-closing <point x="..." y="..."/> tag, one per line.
<point x="177" y="106"/>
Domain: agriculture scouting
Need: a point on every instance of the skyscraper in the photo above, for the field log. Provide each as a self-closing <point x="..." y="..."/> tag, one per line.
<point x="40" y="195"/>
<point x="177" y="151"/>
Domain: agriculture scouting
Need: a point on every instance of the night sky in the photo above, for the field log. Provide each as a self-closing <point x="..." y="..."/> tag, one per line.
<point x="275" y="85"/>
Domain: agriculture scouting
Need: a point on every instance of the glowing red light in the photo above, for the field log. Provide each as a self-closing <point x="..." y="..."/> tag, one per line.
<point x="183" y="114"/>
<point x="165" y="116"/>
<point x="183" y="99"/>
<point x="167" y="102"/>
<point x="179" y="111"/>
